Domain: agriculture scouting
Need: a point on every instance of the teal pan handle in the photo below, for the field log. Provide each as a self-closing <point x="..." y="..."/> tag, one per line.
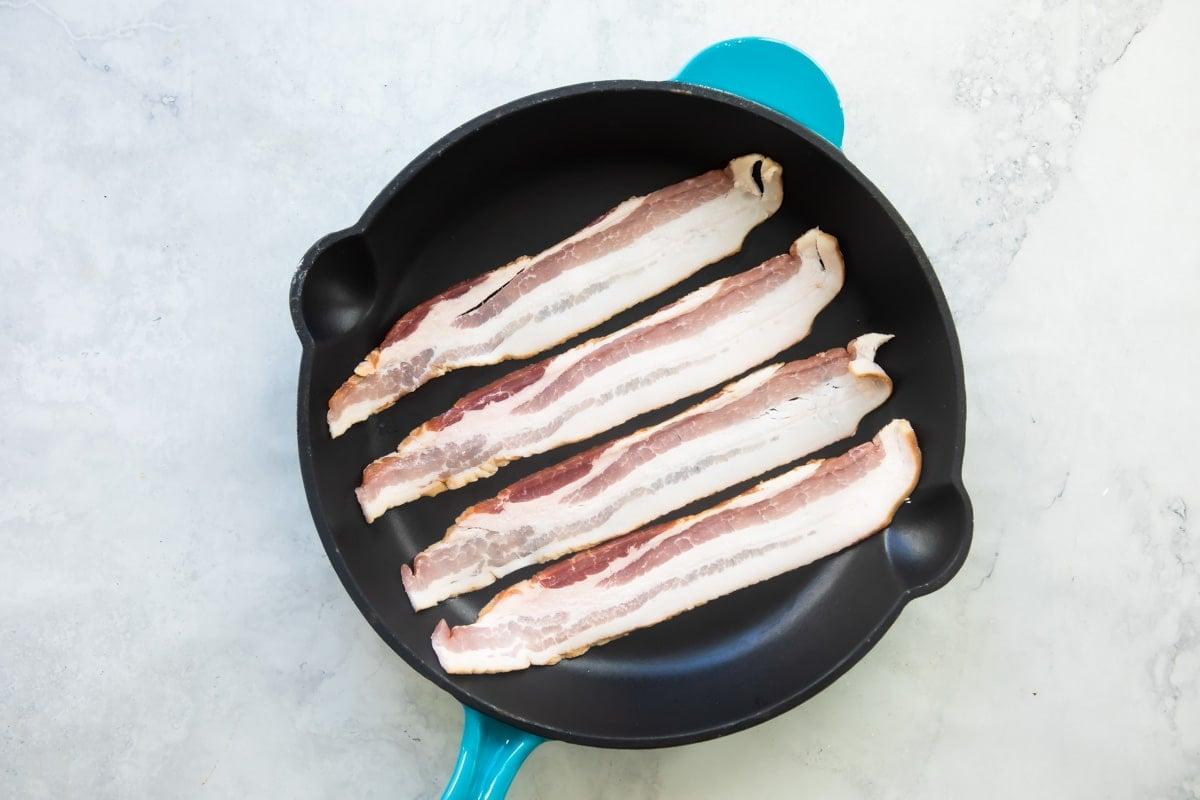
<point x="772" y="74"/>
<point x="488" y="758"/>
<point x="781" y="78"/>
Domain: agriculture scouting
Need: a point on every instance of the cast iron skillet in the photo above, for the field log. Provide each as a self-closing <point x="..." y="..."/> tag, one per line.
<point x="525" y="175"/>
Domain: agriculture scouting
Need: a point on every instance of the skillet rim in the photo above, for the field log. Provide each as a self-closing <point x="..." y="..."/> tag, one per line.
<point x="446" y="682"/>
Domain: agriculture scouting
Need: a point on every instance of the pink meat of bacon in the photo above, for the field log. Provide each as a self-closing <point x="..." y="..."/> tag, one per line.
<point x="708" y="336"/>
<point x="636" y="250"/>
<point x="656" y="573"/>
<point x="775" y="415"/>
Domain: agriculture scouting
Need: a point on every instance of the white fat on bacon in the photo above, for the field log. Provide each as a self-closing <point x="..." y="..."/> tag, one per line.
<point x="638" y="249"/>
<point x="708" y="336"/>
<point x="775" y="415"/>
<point x="653" y="574"/>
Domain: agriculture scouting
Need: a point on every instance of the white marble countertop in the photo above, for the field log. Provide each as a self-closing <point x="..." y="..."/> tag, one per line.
<point x="169" y="625"/>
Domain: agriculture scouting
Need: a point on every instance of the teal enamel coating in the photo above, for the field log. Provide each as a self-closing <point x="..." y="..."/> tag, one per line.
<point x="774" y="74"/>
<point x="488" y="758"/>
<point x="781" y="78"/>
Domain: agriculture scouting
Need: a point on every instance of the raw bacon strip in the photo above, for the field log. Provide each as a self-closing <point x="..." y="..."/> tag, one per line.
<point x="706" y="337"/>
<point x="636" y="250"/>
<point x="775" y="415"/>
<point x="653" y="574"/>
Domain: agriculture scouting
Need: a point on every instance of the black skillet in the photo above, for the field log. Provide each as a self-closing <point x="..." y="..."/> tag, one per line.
<point x="523" y="176"/>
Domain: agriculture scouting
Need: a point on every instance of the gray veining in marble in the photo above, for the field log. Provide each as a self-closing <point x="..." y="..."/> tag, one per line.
<point x="169" y="626"/>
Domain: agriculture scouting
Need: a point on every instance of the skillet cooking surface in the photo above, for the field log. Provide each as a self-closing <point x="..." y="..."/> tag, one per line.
<point x="519" y="179"/>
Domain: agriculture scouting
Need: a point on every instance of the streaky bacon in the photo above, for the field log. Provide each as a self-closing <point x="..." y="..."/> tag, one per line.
<point x="708" y="336"/>
<point x="634" y="251"/>
<point x="656" y="573"/>
<point x="775" y="415"/>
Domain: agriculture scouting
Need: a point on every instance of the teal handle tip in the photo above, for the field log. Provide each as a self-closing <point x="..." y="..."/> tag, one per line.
<point x="772" y="74"/>
<point x="489" y="756"/>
